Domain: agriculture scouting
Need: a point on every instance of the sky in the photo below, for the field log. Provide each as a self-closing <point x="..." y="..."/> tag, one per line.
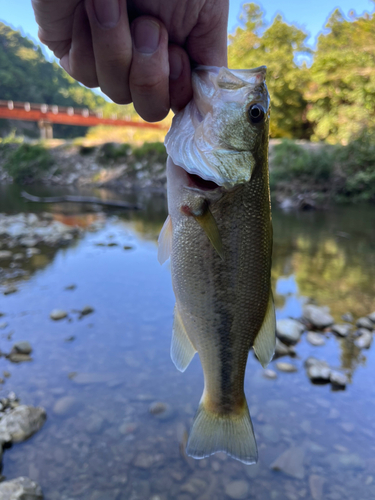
<point x="19" y="14"/>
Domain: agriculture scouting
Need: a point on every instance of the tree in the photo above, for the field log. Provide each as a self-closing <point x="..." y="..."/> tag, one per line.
<point x="277" y="46"/>
<point x="342" y="90"/>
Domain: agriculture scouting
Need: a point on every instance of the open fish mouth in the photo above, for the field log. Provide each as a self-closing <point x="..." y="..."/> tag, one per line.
<point x="198" y="183"/>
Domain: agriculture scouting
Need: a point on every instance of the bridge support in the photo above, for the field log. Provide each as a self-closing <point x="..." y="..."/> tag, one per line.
<point x="46" y="129"/>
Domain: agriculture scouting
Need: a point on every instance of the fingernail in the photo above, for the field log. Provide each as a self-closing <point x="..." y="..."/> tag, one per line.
<point x="107" y="12"/>
<point x="175" y="65"/>
<point x="146" y="34"/>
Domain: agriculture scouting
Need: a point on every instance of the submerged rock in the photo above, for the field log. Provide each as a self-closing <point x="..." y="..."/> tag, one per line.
<point x="317" y="370"/>
<point x="58" y="314"/>
<point x="270" y="374"/>
<point x="371" y="317"/>
<point x="286" y="367"/>
<point x="316" y="339"/>
<point x="342" y="330"/>
<point x="87" y="310"/>
<point x="289" y="330"/>
<point x="317" y="316"/>
<point x="338" y="380"/>
<point x="22" y="347"/>
<point x="5" y="254"/>
<point x="364" y="341"/>
<point x="347" y="317"/>
<point x="21" y="488"/>
<point x="17" y="357"/>
<point x="316" y="484"/>
<point x="21" y="423"/>
<point x="237" y="489"/>
<point x="291" y="462"/>
<point x="365" y="322"/>
<point x="283" y="350"/>
<point x="162" y="411"/>
<point x="65" y="405"/>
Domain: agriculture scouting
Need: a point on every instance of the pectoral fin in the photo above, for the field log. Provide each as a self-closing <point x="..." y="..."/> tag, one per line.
<point x="264" y="344"/>
<point x="209" y="226"/>
<point x="165" y="241"/>
<point x="182" y="349"/>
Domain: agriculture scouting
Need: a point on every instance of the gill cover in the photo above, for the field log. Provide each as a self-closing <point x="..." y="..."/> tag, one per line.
<point x="211" y="137"/>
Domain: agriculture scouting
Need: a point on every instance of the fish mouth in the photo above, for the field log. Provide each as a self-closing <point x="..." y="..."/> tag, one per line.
<point x="197" y="182"/>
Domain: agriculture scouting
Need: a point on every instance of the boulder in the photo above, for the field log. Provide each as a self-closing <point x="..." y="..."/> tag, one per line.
<point x="21" y="423"/>
<point x="21" y="488"/>
<point x="364" y="341"/>
<point x="365" y="322"/>
<point x="317" y="316"/>
<point x="342" y="330"/>
<point x="289" y="331"/>
<point x="317" y="370"/>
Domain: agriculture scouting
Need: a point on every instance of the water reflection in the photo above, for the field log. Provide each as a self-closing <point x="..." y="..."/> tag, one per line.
<point x="105" y="444"/>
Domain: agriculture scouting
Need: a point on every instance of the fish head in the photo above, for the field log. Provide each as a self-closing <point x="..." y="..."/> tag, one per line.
<point x="223" y="131"/>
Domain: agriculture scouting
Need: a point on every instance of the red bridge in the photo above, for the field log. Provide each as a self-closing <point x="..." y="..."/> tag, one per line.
<point x="46" y="115"/>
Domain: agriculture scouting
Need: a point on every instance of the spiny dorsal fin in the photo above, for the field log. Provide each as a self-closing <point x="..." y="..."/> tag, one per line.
<point x="264" y="344"/>
<point x="165" y="241"/>
<point x="182" y="349"/>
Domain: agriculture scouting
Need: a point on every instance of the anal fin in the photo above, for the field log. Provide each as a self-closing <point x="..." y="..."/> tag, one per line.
<point x="165" y="241"/>
<point x="182" y="350"/>
<point x="264" y="344"/>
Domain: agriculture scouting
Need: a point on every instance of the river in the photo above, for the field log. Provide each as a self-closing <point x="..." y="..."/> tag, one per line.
<point x="98" y="375"/>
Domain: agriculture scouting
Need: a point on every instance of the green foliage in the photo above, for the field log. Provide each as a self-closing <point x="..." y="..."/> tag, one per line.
<point x="154" y="152"/>
<point x="26" y="75"/>
<point x="113" y="151"/>
<point x="293" y="162"/>
<point x="342" y="90"/>
<point x="356" y="168"/>
<point x="276" y="46"/>
<point x="28" y="162"/>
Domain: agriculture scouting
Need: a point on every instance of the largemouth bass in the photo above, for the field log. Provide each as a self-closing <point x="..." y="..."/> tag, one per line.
<point x="219" y="237"/>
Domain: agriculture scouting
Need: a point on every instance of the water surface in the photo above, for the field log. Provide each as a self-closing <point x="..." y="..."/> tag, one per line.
<point x="115" y="363"/>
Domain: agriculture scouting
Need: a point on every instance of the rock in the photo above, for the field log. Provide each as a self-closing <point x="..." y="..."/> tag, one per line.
<point x="291" y="462"/>
<point x="5" y="254"/>
<point x="289" y="331"/>
<point x="3" y="325"/>
<point x="10" y="290"/>
<point x="127" y="247"/>
<point x="283" y="350"/>
<point x="94" y="424"/>
<point x="21" y="488"/>
<point x="30" y="252"/>
<point x="317" y="370"/>
<point x="338" y="380"/>
<point x="286" y="367"/>
<point x="21" y="423"/>
<point x="270" y="374"/>
<point x="92" y="378"/>
<point x="58" y="314"/>
<point x="87" y="310"/>
<point x="316" y="484"/>
<point x="317" y="316"/>
<point x="342" y="330"/>
<point x="371" y="317"/>
<point x="237" y="489"/>
<point x="162" y="411"/>
<point x="347" y="317"/>
<point x="22" y="347"/>
<point x="364" y="341"/>
<point x="65" y="405"/>
<point x="347" y="461"/>
<point x="70" y="287"/>
<point x="6" y="374"/>
<point x="18" y="257"/>
<point x="316" y="339"/>
<point x="270" y="433"/>
<point x="365" y="323"/>
<point x="145" y="461"/>
<point x="16" y="357"/>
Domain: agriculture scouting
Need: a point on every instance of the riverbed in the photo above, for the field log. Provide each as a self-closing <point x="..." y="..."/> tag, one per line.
<point x="117" y="409"/>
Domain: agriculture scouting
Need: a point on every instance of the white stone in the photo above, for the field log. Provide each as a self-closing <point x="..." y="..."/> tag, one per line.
<point x="21" y="423"/>
<point x="317" y="316"/>
<point x="289" y="330"/>
<point x="21" y="488"/>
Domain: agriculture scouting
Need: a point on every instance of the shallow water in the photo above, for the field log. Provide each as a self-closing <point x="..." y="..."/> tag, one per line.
<point x="115" y="363"/>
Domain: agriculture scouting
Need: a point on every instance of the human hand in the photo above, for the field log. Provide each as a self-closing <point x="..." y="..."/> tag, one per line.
<point x="136" y="51"/>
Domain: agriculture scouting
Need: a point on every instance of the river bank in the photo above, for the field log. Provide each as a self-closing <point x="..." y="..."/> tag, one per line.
<point x="303" y="175"/>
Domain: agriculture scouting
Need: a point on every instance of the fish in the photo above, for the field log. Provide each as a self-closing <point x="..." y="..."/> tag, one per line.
<point x="218" y="235"/>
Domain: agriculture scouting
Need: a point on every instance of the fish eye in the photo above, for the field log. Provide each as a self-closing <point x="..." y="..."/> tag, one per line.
<point x="256" y="113"/>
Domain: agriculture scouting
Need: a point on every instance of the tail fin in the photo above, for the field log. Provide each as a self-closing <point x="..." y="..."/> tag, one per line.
<point x="233" y="434"/>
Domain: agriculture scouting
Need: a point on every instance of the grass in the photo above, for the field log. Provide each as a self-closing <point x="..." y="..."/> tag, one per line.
<point x="28" y="162"/>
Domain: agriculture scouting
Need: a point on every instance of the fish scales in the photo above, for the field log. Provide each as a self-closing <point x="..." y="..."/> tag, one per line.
<point x="220" y="233"/>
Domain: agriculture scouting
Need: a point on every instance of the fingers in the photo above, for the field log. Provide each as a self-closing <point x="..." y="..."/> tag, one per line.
<point x="149" y="74"/>
<point x="112" y="47"/>
<point x="180" y="88"/>
<point x="80" y="62"/>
